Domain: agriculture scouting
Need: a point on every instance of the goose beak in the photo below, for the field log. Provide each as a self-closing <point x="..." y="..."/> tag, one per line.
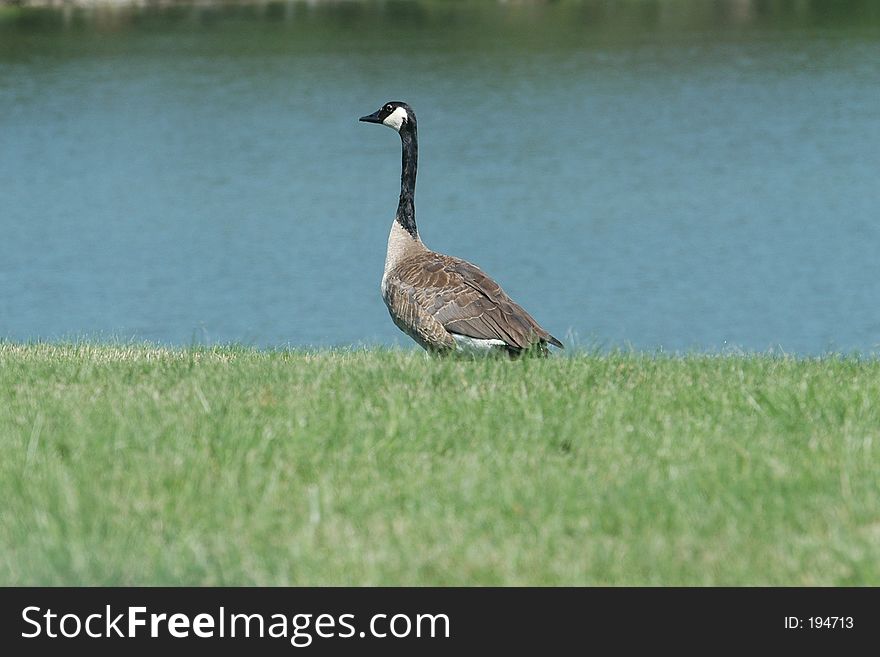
<point x="371" y="118"/>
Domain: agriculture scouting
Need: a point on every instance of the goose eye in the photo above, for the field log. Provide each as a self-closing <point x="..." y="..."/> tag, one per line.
<point x="388" y="108"/>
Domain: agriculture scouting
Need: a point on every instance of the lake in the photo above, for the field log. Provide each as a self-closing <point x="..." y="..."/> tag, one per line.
<point x="658" y="175"/>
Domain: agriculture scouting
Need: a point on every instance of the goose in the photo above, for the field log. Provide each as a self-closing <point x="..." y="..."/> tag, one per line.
<point x="444" y="303"/>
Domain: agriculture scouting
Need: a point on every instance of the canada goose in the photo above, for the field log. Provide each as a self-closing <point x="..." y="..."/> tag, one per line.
<point x="444" y="303"/>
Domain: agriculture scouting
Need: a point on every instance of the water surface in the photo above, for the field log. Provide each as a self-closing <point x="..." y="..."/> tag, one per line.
<point x="666" y="175"/>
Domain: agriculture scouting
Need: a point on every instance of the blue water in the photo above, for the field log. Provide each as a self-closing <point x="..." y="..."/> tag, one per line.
<point x="661" y="181"/>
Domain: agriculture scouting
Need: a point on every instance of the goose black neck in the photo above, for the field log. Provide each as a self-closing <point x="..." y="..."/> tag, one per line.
<point x="406" y="211"/>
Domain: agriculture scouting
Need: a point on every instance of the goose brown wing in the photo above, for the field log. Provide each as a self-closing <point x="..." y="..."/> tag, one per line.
<point x="466" y="301"/>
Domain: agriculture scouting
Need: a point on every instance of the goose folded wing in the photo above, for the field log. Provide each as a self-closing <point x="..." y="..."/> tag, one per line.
<point x="467" y="302"/>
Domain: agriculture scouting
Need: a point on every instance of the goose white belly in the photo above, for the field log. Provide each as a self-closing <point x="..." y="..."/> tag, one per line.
<point x="469" y="345"/>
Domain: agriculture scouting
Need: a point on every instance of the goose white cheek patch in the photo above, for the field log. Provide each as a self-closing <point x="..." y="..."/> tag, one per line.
<point x="395" y="119"/>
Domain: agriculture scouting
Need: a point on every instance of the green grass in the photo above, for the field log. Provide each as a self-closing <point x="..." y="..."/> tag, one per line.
<point x="141" y="465"/>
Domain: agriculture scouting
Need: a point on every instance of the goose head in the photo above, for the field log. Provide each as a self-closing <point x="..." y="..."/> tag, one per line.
<point x="395" y="114"/>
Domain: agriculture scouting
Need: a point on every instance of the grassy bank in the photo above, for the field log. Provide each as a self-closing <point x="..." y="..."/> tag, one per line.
<point x="138" y="465"/>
